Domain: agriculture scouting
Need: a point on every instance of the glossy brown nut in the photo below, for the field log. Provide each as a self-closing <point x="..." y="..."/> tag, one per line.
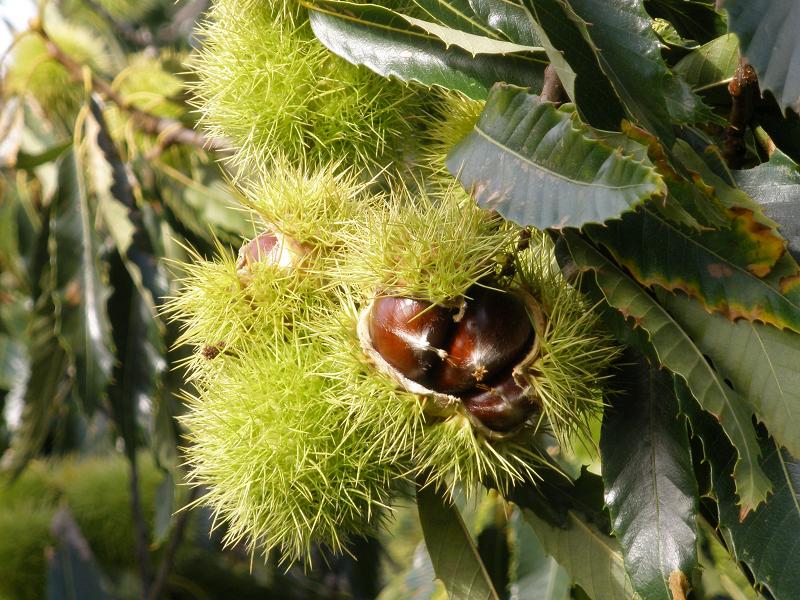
<point x="406" y="335"/>
<point x="502" y="407"/>
<point x="493" y="334"/>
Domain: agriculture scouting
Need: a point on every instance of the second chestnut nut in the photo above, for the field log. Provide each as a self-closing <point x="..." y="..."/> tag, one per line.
<point x="468" y="352"/>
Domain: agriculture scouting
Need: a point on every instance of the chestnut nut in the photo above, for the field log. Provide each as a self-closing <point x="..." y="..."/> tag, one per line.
<point x="467" y="353"/>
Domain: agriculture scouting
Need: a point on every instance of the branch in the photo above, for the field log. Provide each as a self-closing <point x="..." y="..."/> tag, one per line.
<point x="744" y="92"/>
<point x="139" y="527"/>
<point x="552" y="89"/>
<point x="170" y="131"/>
<point x="171" y="550"/>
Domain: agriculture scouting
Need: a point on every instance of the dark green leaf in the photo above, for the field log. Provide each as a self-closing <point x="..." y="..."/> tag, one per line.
<point x="537" y="575"/>
<point x="655" y="333"/>
<point x="493" y="542"/>
<point x="711" y="266"/>
<point x="591" y="558"/>
<point x="80" y="293"/>
<point x="141" y="365"/>
<point x="110" y="180"/>
<point x="570" y="521"/>
<point x="165" y="506"/>
<point x="694" y="19"/>
<point x="72" y="573"/>
<point x="629" y="53"/>
<point x="767" y="31"/>
<point x="535" y="165"/>
<point x="378" y="38"/>
<point x="453" y="553"/>
<point x="509" y="18"/>
<point x="31" y="161"/>
<point x="576" y="63"/>
<point x="767" y="540"/>
<point x="650" y="487"/>
<point x="776" y="186"/>
<point x="47" y="384"/>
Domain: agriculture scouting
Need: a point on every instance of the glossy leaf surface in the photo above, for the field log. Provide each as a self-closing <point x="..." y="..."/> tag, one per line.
<point x="628" y="52"/>
<point x="384" y="41"/>
<point x="713" y="266"/>
<point x="641" y="322"/>
<point x="535" y="166"/>
<point x="575" y="61"/>
<point x="80" y="293"/>
<point x="649" y="482"/>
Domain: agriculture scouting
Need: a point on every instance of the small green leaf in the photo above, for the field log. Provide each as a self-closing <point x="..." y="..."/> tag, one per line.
<point x="654" y="332"/>
<point x="711" y="64"/>
<point x="651" y="491"/>
<point x="537" y="166"/>
<point x="453" y="553"/>
<point x="767" y="31"/>
<point x="576" y="63"/>
<point x="384" y="41"/>
<point x="31" y="161"/>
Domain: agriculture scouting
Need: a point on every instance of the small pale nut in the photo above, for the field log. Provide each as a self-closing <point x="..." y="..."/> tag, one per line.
<point x="268" y="247"/>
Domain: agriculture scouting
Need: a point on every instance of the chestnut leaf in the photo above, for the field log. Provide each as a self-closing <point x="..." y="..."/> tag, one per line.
<point x="536" y="165"/>
<point x="452" y="550"/>
<point x="767" y="539"/>
<point x="388" y="43"/>
<point x="643" y="323"/>
<point x="650" y="487"/>
<point x="760" y="361"/>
